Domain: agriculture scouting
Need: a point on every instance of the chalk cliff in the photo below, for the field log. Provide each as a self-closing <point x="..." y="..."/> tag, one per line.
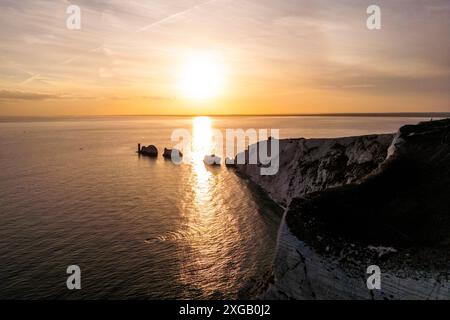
<point x="307" y="165"/>
<point x="360" y="201"/>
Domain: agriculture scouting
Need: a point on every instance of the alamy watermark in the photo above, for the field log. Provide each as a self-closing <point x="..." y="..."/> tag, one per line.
<point x="73" y="21"/>
<point x="374" y="280"/>
<point x="74" y="280"/>
<point x="263" y="147"/>
<point x="373" y="22"/>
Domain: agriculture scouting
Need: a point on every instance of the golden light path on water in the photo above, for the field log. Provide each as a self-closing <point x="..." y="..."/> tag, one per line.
<point x="211" y="228"/>
<point x="202" y="144"/>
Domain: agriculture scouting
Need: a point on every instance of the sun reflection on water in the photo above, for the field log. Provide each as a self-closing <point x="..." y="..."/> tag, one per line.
<point x="201" y="138"/>
<point x="201" y="145"/>
<point x="209" y="221"/>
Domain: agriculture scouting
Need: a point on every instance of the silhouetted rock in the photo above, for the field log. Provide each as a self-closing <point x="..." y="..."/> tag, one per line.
<point x="150" y="151"/>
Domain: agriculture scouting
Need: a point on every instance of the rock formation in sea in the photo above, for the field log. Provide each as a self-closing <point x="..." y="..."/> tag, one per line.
<point x="355" y="202"/>
<point x="172" y="154"/>
<point x="229" y="162"/>
<point x="150" y="150"/>
<point x="212" y="160"/>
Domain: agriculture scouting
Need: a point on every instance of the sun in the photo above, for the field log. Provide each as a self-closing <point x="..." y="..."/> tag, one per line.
<point x="201" y="76"/>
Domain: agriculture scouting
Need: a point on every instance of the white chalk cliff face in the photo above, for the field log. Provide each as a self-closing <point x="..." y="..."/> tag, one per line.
<point x="308" y="165"/>
<point x="349" y="205"/>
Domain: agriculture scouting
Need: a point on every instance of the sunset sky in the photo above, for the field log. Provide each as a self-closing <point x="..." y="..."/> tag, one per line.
<point x="266" y="57"/>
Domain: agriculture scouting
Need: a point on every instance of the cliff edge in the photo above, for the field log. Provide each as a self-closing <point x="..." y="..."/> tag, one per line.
<point x="361" y="201"/>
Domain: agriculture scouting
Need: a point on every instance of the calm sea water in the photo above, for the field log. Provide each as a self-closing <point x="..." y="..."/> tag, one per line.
<point x="74" y="191"/>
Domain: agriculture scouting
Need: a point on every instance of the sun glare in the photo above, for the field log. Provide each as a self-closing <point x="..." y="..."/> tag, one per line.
<point x="201" y="76"/>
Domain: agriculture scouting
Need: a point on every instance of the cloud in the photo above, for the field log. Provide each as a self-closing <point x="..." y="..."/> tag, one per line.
<point x="157" y="98"/>
<point x="381" y="83"/>
<point x="153" y="98"/>
<point x="17" y="95"/>
<point x="14" y="95"/>
<point x="358" y="86"/>
<point x="22" y="95"/>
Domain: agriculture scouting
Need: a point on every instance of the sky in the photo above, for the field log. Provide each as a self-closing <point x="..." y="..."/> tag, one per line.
<point x="276" y="56"/>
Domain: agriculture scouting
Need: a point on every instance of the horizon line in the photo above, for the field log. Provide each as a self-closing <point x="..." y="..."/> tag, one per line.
<point x="329" y="114"/>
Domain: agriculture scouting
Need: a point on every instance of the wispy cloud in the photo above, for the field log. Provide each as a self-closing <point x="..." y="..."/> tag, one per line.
<point x="12" y="95"/>
<point x="158" y="98"/>
<point x="174" y="16"/>
<point x="358" y="86"/>
<point x="23" y="95"/>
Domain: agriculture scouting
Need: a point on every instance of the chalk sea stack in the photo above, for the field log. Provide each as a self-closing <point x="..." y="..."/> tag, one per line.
<point x="229" y="162"/>
<point x="170" y="153"/>
<point x="360" y="201"/>
<point x="150" y="150"/>
<point x="212" y="160"/>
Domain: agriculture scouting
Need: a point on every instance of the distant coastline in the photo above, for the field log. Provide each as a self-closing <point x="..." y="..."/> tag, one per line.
<point x="95" y="117"/>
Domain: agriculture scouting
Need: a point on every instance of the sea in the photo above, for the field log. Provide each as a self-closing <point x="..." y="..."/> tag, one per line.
<point x="74" y="191"/>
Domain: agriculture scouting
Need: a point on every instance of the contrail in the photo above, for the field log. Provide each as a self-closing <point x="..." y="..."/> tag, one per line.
<point x="102" y="48"/>
<point x="175" y="15"/>
<point x="31" y="75"/>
